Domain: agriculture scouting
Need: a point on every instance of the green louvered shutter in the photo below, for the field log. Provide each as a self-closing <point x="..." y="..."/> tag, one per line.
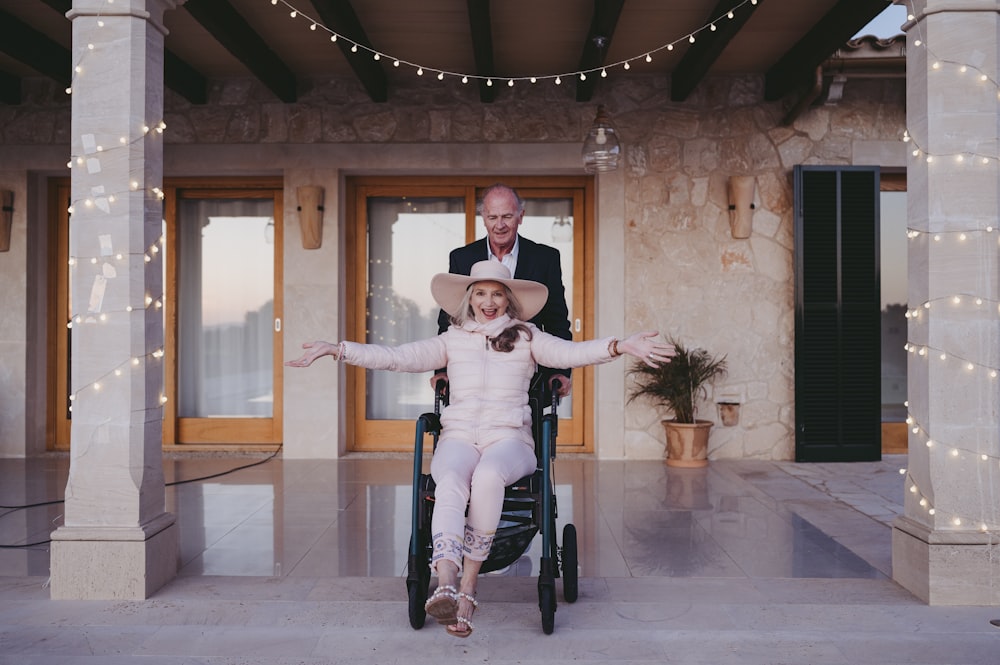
<point x="837" y="321"/>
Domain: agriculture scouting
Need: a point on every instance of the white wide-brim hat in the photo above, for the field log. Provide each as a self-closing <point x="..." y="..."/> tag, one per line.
<point x="449" y="289"/>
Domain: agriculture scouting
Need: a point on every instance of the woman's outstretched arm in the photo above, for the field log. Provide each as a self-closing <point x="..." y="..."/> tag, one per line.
<point x="314" y="351"/>
<point x="645" y="347"/>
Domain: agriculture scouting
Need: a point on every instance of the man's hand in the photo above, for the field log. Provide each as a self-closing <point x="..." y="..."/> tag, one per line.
<point x="440" y="376"/>
<point x="565" y="384"/>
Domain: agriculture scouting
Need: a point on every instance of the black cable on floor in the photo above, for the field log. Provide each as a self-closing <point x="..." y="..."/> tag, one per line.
<point x="13" y="509"/>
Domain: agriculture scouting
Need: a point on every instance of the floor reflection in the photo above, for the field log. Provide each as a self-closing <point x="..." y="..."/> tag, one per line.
<point x="351" y="518"/>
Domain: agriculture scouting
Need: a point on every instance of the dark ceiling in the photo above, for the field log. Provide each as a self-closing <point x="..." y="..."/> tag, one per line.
<point x="284" y="43"/>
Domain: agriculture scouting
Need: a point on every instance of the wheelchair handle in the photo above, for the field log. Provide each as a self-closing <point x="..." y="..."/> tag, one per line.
<point x="556" y="385"/>
<point x="440" y="395"/>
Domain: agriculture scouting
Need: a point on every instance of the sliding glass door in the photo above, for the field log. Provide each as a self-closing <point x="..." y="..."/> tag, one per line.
<point x="221" y="250"/>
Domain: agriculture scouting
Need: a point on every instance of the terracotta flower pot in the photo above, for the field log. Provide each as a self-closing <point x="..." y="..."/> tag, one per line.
<point x="687" y="443"/>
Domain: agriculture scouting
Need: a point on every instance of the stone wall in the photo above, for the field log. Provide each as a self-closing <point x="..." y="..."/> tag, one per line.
<point x="684" y="273"/>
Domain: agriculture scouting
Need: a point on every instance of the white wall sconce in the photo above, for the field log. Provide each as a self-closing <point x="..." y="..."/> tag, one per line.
<point x="601" y="148"/>
<point x="741" y="206"/>
<point x="6" y="218"/>
<point x="310" y="215"/>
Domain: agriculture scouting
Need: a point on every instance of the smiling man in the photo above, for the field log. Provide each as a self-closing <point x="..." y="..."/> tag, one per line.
<point x="502" y="210"/>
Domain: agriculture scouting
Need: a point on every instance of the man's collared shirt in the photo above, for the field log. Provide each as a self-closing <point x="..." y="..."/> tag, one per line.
<point x="509" y="259"/>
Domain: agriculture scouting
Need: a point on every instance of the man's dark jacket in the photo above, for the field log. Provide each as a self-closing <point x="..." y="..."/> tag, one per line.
<point x="535" y="262"/>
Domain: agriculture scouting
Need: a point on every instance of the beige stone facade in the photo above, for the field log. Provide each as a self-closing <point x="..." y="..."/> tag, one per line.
<point x="662" y="219"/>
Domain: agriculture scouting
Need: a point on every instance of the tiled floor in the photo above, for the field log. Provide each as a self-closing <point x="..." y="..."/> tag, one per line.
<point x="351" y="518"/>
<point x="301" y="561"/>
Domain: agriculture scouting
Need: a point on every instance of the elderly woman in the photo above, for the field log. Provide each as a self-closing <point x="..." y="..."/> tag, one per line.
<point x="485" y="443"/>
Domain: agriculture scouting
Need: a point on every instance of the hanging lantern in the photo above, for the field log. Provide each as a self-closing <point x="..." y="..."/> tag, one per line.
<point x="601" y="148"/>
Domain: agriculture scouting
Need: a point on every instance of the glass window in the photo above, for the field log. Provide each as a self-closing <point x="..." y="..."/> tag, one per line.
<point x="225" y="283"/>
<point x="408" y="243"/>
<point x="893" y="262"/>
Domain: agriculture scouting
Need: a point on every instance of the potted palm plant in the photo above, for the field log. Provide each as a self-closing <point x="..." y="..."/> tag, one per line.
<point x="678" y="386"/>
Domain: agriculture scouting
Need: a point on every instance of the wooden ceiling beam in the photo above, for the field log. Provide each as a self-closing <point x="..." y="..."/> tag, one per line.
<point x="231" y="30"/>
<point x="25" y="44"/>
<point x="798" y="65"/>
<point x="595" y="47"/>
<point x="481" y="28"/>
<point x="707" y="47"/>
<point x="184" y="79"/>
<point x="339" y="16"/>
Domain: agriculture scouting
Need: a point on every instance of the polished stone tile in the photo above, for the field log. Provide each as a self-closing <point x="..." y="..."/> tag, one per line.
<point x="351" y="517"/>
<point x="299" y="561"/>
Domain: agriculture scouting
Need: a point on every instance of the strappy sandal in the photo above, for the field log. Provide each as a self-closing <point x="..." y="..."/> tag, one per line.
<point x="464" y="624"/>
<point x="443" y="604"/>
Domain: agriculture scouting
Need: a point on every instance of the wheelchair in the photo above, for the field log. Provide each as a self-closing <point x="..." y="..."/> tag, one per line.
<point x="529" y="508"/>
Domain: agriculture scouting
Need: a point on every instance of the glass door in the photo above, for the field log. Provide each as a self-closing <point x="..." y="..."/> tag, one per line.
<point x="402" y="232"/>
<point x="224" y="322"/>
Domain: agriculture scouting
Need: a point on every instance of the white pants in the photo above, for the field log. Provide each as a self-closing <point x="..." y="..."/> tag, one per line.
<point x="465" y="474"/>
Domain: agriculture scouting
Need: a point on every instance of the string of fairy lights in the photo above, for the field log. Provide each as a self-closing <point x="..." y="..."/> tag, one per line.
<point x="314" y="24"/>
<point x="982" y="464"/>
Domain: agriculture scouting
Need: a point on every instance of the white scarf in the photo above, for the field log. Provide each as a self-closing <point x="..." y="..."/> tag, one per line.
<point x="491" y="328"/>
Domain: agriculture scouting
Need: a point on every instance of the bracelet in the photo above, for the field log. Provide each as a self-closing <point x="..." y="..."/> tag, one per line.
<point x="613" y="348"/>
<point x="341" y="348"/>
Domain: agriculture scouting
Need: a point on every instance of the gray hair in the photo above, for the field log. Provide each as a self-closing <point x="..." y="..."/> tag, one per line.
<point x="499" y="187"/>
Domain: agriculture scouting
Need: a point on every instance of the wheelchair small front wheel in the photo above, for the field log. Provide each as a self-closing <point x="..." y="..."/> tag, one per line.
<point x="570" y="564"/>
<point x="547" y="603"/>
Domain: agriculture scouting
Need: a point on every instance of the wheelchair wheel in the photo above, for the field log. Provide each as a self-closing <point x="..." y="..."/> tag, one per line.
<point x="570" y="573"/>
<point x="417" y="598"/>
<point x="417" y="584"/>
<point x="547" y="603"/>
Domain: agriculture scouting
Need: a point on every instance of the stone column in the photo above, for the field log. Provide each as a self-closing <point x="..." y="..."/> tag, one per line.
<point x="946" y="546"/>
<point x="117" y="541"/>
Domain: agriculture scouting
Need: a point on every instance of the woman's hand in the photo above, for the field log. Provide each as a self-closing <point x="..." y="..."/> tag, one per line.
<point x="643" y="346"/>
<point x="314" y="350"/>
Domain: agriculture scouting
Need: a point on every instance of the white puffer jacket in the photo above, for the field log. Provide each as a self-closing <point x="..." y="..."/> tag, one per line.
<point x="488" y="389"/>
